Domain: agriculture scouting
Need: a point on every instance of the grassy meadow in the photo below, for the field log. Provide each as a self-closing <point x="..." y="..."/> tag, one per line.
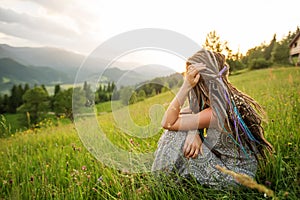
<point x="52" y="163"/>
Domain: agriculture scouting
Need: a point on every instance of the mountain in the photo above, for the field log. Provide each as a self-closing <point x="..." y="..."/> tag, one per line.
<point x="61" y="60"/>
<point x="12" y="72"/>
<point x="124" y="77"/>
<point x="66" y="64"/>
<point x="154" y="70"/>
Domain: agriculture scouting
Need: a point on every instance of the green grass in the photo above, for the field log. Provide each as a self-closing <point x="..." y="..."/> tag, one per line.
<point x="105" y="107"/>
<point x="16" y="122"/>
<point x="52" y="163"/>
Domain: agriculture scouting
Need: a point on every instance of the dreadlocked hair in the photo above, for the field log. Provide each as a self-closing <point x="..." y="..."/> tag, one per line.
<point x="250" y="111"/>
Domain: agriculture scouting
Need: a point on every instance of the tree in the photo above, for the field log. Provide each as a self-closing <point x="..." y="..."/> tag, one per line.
<point x="153" y="93"/>
<point x="108" y="87"/>
<point x="214" y="43"/>
<point x="2" y="109"/>
<point x="15" y="100"/>
<point x="133" y="98"/>
<point x="78" y="100"/>
<point x="56" y="89"/>
<point x="106" y="93"/>
<point x="259" y="63"/>
<point x="101" y="94"/>
<point x="280" y="54"/>
<point x="4" y="104"/>
<point x="62" y="103"/>
<point x="268" y="49"/>
<point x="89" y="95"/>
<point x="235" y="61"/>
<point x="113" y="87"/>
<point x="147" y="88"/>
<point x="70" y="101"/>
<point x="235" y="64"/>
<point x="100" y="88"/>
<point x="26" y="87"/>
<point x="36" y="104"/>
<point x="44" y="88"/>
<point x="125" y="95"/>
<point x="102" y="97"/>
<point x="141" y="95"/>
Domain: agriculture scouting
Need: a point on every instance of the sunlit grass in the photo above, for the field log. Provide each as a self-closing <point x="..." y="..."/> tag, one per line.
<point x="52" y="163"/>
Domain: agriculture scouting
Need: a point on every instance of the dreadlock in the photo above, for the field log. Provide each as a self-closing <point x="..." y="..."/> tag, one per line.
<point x="249" y="110"/>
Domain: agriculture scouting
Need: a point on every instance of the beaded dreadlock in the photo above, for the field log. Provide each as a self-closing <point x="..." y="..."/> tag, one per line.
<point x="237" y="113"/>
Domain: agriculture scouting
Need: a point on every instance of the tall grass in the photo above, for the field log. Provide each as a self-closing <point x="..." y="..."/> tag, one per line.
<point x="5" y="127"/>
<point x="52" y="163"/>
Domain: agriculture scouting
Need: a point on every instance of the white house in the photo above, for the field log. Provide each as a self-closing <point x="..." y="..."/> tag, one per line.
<point x="295" y="50"/>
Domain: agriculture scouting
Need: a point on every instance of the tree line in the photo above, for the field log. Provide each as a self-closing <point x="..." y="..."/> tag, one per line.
<point x="35" y="103"/>
<point x="275" y="52"/>
<point x="133" y="94"/>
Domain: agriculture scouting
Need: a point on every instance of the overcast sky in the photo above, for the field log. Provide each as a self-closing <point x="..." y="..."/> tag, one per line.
<point x="81" y="25"/>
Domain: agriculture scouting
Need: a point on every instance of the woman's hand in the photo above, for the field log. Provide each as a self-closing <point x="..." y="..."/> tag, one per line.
<point x="192" y="75"/>
<point x="192" y="145"/>
<point x="171" y="119"/>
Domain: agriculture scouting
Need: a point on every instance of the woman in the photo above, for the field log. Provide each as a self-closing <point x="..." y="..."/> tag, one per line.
<point x="232" y="120"/>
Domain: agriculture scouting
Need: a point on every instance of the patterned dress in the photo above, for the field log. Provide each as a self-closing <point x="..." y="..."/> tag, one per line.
<point x="169" y="158"/>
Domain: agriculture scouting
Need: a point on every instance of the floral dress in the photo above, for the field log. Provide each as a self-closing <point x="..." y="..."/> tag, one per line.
<point x="218" y="149"/>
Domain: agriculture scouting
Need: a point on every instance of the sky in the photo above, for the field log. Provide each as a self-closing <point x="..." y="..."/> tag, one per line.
<point x="82" y="25"/>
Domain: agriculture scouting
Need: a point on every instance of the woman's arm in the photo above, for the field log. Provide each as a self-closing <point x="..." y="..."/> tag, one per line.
<point x="185" y="110"/>
<point x="173" y="111"/>
<point x="172" y="119"/>
<point x="191" y="121"/>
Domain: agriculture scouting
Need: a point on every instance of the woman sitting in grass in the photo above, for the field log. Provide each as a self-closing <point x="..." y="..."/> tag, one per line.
<point x="221" y="126"/>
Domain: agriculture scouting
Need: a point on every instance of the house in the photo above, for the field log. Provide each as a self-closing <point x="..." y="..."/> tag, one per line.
<point x="295" y="50"/>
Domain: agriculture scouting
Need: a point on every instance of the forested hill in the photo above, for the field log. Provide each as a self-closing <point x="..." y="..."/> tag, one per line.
<point x="44" y="65"/>
<point x="12" y="72"/>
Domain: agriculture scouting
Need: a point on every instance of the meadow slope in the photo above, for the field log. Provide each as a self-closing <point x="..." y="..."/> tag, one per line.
<point x="52" y="162"/>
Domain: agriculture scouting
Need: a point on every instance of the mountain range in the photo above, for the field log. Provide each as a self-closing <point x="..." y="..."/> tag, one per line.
<point x="49" y="66"/>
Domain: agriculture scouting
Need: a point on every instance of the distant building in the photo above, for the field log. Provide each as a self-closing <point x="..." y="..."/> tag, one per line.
<point x="295" y="50"/>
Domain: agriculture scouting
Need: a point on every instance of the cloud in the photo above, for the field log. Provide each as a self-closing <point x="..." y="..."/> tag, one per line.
<point x="28" y="33"/>
<point x="62" y="30"/>
<point x="53" y="5"/>
<point x="82" y="25"/>
<point x="36" y="24"/>
<point x="79" y="11"/>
